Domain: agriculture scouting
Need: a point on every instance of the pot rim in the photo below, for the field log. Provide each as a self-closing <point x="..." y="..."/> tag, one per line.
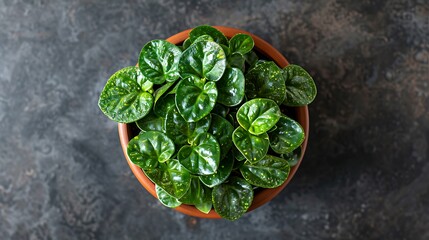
<point x="263" y="195"/>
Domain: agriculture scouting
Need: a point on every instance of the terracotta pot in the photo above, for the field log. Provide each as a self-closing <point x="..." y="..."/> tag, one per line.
<point x="262" y="196"/>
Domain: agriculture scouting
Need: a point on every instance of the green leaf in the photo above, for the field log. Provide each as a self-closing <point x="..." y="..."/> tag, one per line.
<point x="151" y="122"/>
<point x="198" y="195"/>
<point x="300" y="87"/>
<point x="232" y="198"/>
<point x="292" y="157"/>
<point x="203" y="60"/>
<point x="222" y="131"/>
<point x="166" y="199"/>
<point x="266" y="80"/>
<point x="181" y="131"/>
<point x="195" y="100"/>
<point x="203" y="38"/>
<point x="222" y="173"/>
<point x="288" y="136"/>
<point x="158" y="61"/>
<point x="236" y="60"/>
<point x="160" y="92"/>
<point x="258" y="115"/>
<point x="231" y="87"/>
<point x="253" y="147"/>
<point x="241" y="43"/>
<point x="148" y="148"/>
<point x="269" y="172"/>
<point x="202" y="157"/>
<point x="123" y="99"/>
<point x="163" y="105"/>
<point x="208" y="30"/>
<point x="237" y="154"/>
<point x="170" y="176"/>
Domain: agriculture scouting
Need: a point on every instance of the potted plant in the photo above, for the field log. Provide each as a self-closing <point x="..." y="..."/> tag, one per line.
<point x="213" y="121"/>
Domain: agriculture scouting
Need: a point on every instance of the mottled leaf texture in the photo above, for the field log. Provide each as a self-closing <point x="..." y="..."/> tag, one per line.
<point x="232" y="198"/>
<point x="300" y="87"/>
<point x="258" y="115"/>
<point x="253" y="147"/>
<point x="231" y="87"/>
<point x="269" y="172"/>
<point x="123" y="99"/>
<point x="288" y="135"/>
<point x="159" y="61"/>
<point x="166" y="199"/>
<point x="215" y="34"/>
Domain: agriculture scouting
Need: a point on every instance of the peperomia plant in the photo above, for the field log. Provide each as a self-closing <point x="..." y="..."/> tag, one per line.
<point x="212" y="129"/>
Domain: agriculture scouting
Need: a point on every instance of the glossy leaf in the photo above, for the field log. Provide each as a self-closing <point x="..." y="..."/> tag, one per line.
<point x="241" y="43"/>
<point x="208" y="30"/>
<point x="253" y="147"/>
<point x="203" y="60"/>
<point x="151" y="122"/>
<point x="159" y="61"/>
<point x="202" y="157"/>
<point x="222" y="173"/>
<point x="232" y="198"/>
<point x="300" y="87"/>
<point x="231" y="87"/>
<point x="195" y="100"/>
<point x="266" y="80"/>
<point x="203" y="38"/>
<point x="170" y="176"/>
<point x="161" y="91"/>
<point x="123" y="99"/>
<point x="198" y="195"/>
<point x="222" y="130"/>
<point x="148" y="148"/>
<point x="181" y="131"/>
<point x="269" y="172"/>
<point x="163" y="105"/>
<point x="288" y="136"/>
<point x="258" y="115"/>
<point x="166" y="199"/>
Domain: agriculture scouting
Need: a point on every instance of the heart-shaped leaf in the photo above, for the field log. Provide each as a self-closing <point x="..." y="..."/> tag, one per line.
<point x="195" y="100"/>
<point x="258" y="115"/>
<point x="222" y="173"/>
<point x="216" y="35"/>
<point x="198" y="195"/>
<point x="300" y="87"/>
<point x="170" y="176"/>
<point x="123" y="99"/>
<point x="231" y="87"/>
<point x="203" y="60"/>
<point x="202" y="157"/>
<point x="232" y="198"/>
<point x="181" y="131"/>
<point x="269" y="172"/>
<point x="222" y="131"/>
<point x="266" y="80"/>
<point x="148" y="148"/>
<point x="151" y="122"/>
<point x="159" y="61"/>
<point x="288" y="135"/>
<point x="241" y="43"/>
<point x="253" y="147"/>
<point x="166" y="199"/>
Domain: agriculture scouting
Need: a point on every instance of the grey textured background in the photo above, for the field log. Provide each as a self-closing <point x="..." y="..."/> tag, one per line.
<point x="365" y="174"/>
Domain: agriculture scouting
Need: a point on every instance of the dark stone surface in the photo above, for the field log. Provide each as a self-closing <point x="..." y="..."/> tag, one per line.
<point x="365" y="174"/>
